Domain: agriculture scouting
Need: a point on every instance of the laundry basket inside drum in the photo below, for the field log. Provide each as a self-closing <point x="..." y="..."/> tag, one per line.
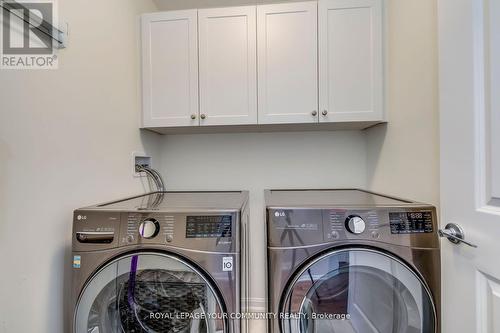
<point x="160" y="293"/>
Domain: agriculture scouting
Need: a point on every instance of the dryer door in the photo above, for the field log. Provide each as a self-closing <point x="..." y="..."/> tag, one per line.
<point x="149" y="292"/>
<point x="357" y="291"/>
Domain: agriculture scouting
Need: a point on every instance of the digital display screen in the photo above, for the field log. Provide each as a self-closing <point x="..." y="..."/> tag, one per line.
<point x="210" y="226"/>
<point x="411" y="222"/>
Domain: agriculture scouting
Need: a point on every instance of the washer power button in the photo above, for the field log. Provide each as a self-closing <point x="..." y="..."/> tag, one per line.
<point x="149" y="228"/>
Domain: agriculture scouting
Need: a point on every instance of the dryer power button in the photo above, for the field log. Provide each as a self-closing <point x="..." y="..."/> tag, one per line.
<point x="355" y="224"/>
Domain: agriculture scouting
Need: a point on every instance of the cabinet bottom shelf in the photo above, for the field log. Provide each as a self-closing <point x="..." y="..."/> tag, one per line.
<point x="358" y="125"/>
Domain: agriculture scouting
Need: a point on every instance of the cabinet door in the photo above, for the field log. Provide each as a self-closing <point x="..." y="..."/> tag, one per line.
<point x="170" y="69"/>
<point x="287" y="63"/>
<point x="350" y="60"/>
<point x="228" y="61"/>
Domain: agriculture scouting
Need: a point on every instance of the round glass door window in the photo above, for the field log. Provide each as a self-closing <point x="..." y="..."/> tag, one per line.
<point x="149" y="293"/>
<point x="357" y="291"/>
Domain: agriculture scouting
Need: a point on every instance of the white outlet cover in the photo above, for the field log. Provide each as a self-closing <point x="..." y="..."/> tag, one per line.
<point x="139" y="155"/>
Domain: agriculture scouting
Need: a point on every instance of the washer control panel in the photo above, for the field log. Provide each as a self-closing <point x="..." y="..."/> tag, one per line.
<point x="155" y="227"/>
<point x="202" y="231"/>
<point x="209" y="226"/>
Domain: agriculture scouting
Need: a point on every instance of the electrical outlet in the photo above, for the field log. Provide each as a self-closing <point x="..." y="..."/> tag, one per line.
<point x="140" y="159"/>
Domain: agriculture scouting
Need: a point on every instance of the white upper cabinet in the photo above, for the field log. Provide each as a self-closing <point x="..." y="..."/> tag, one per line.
<point x="170" y="69"/>
<point x="287" y="63"/>
<point x="228" y="66"/>
<point x="350" y="60"/>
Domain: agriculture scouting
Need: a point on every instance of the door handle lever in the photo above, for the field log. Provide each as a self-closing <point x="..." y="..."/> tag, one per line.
<point x="455" y="234"/>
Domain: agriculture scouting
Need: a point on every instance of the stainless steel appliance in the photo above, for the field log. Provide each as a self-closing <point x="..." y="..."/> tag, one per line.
<point x="348" y="261"/>
<point x="161" y="262"/>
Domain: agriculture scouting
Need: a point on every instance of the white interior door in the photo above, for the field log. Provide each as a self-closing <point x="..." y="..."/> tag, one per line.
<point x="350" y="60"/>
<point x="170" y="69"/>
<point x="469" y="65"/>
<point x="287" y="62"/>
<point x="228" y="65"/>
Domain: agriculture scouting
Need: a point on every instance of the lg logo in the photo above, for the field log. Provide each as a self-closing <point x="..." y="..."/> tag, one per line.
<point x="81" y="217"/>
<point x="279" y="214"/>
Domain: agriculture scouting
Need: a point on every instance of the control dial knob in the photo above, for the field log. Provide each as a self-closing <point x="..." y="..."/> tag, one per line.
<point x="355" y="224"/>
<point x="149" y="228"/>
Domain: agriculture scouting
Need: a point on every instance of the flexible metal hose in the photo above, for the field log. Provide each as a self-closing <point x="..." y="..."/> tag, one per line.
<point x="154" y="175"/>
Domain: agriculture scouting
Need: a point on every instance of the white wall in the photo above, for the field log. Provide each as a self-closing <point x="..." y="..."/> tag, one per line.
<point x="65" y="141"/>
<point x="259" y="161"/>
<point x="403" y="156"/>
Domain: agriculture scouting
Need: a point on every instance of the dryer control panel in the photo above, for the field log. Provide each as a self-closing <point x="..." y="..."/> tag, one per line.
<point x="291" y="227"/>
<point x="347" y="216"/>
<point x="406" y="227"/>
<point x="411" y="222"/>
<point x="356" y="222"/>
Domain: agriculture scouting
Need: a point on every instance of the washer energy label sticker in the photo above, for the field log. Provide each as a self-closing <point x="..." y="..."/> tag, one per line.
<point x="227" y="264"/>
<point x="77" y="261"/>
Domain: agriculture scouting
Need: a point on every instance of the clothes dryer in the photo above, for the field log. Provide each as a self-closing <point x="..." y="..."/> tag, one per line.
<point x="351" y="261"/>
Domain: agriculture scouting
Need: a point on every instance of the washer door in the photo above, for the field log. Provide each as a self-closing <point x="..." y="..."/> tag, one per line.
<point x="149" y="292"/>
<point x="357" y="291"/>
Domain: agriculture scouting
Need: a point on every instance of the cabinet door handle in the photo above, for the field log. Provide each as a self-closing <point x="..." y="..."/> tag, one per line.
<point x="324" y="112"/>
<point x="203" y="116"/>
<point x="314" y="113"/>
<point x="193" y="116"/>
